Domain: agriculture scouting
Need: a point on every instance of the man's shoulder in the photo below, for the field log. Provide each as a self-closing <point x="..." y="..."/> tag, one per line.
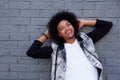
<point x="83" y="35"/>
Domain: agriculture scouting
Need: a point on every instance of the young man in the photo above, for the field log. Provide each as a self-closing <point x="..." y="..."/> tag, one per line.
<point x="73" y="54"/>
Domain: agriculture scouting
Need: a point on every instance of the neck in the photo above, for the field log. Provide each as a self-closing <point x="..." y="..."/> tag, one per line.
<point x="71" y="41"/>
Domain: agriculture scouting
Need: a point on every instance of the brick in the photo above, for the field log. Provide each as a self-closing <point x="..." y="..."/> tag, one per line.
<point x="118" y="4"/>
<point x="58" y="5"/>
<point x="19" y="37"/>
<point x="45" y="76"/>
<point x="27" y="60"/>
<point x="111" y="70"/>
<point x="24" y="44"/>
<point x="41" y="5"/>
<point x="8" y="29"/>
<point x="4" y="36"/>
<point x="8" y="75"/>
<point x="30" y="68"/>
<point x="2" y="11"/>
<point x="109" y="54"/>
<point x="94" y="0"/>
<point x="99" y="46"/>
<point x="89" y="5"/>
<point x="8" y="60"/>
<point x="34" y="29"/>
<point x="43" y="28"/>
<point x="34" y="36"/>
<point x="29" y="13"/>
<point x="111" y="38"/>
<point x="8" y="44"/>
<point x="111" y="46"/>
<point x="30" y="29"/>
<point x="114" y="30"/>
<point x="18" y="5"/>
<point x="4" y="21"/>
<point x="69" y="1"/>
<point x="74" y="5"/>
<point x="1" y="14"/>
<point x="46" y="14"/>
<point x="44" y="61"/>
<point x="106" y="5"/>
<point x="18" y="52"/>
<point x="78" y="13"/>
<point x="34" y="0"/>
<point x="39" y="21"/>
<point x="4" y="67"/>
<point x="28" y="76"/>
<point x="113" y="77"/>
<point x="118" y="21"/>
<point x="3" y="4"/>
<point x="11" y="13"/>
<point x="112" y="13"/>
<point x="113" y="62"/>
<point x="93" y="13"/>
<point x="23" y="29"/>
<point x="20" y="21"/>
<point x="4" y="52"/>
<point x="118" y="70"/>
<point x="112" y="0"/>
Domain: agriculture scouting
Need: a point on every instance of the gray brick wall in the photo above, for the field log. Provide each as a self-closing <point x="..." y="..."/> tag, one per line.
<point x="22" y="21"/>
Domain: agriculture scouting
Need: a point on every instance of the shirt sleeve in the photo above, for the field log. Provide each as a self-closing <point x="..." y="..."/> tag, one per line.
<point x="101" y="29"/>
<point x="37" y="51"/>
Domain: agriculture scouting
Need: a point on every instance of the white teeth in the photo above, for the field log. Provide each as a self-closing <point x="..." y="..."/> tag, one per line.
<point x="68" y="32"/>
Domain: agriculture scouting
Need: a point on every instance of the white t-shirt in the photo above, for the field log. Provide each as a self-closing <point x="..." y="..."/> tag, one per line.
<point x="78" y="66"/>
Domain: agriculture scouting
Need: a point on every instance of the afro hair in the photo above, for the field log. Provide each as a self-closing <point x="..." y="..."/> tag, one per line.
<point x="54" y="21"/>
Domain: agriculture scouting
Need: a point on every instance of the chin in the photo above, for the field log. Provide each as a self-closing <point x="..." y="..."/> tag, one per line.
<point x="71" y="37"/>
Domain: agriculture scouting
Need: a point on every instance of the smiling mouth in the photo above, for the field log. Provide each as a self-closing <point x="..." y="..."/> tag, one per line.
<point x="68" y="32"/>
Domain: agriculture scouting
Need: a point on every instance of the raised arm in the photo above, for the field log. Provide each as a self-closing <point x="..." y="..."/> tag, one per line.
<point x="101" y="28"/>
<point x="37" y="51"/>
<point x="83" y="22"/>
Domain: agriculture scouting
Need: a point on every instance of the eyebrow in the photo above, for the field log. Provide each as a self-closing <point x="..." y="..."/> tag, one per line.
<point x="59" y="27"/>
<point x="62" y="26"/>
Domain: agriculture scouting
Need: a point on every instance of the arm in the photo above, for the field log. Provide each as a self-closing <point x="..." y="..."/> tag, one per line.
<point x="37" y="51"/>
<point x="101" y="28"/>
<point x="83" y="23"/>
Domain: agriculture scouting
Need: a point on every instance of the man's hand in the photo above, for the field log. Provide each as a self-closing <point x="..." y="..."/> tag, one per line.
<point x="83" y="22"/>
<point x="47" y="33"/>
<point x="80" y="23"/>
<point x="44" y="37"/>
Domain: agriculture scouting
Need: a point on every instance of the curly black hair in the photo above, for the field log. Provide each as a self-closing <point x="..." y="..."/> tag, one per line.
<point x="54" y="21"/>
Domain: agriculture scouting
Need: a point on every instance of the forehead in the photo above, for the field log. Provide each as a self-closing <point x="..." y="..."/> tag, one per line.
<point x="62" y="22"/>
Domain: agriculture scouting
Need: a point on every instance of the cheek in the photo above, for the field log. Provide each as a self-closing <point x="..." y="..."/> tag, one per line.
<point x="72" y="27"/>
<point x="61" y="33"/>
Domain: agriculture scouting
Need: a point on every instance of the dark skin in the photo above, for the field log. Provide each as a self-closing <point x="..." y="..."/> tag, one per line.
<point x="66" y="31"/>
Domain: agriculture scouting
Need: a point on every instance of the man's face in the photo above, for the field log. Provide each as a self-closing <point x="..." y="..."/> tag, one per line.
<point x="65" y="30"/>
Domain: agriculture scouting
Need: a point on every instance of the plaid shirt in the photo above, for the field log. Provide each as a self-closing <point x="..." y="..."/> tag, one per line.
<point x="59" y="57"/>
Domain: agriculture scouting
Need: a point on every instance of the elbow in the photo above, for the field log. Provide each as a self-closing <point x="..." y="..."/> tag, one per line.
<point x="109" y="26"/>
<point x="29" y="54"/>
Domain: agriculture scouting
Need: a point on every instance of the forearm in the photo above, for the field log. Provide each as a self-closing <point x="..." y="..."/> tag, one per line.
<point x="44" y="37"/>
<point x="83" y="22"/>
<point x="89" y="22"/>
<point x="37" y="51"/>
<point x="101" y="29"/>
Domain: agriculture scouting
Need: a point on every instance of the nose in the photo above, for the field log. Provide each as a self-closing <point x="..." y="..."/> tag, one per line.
<point x="66" y="27"/>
